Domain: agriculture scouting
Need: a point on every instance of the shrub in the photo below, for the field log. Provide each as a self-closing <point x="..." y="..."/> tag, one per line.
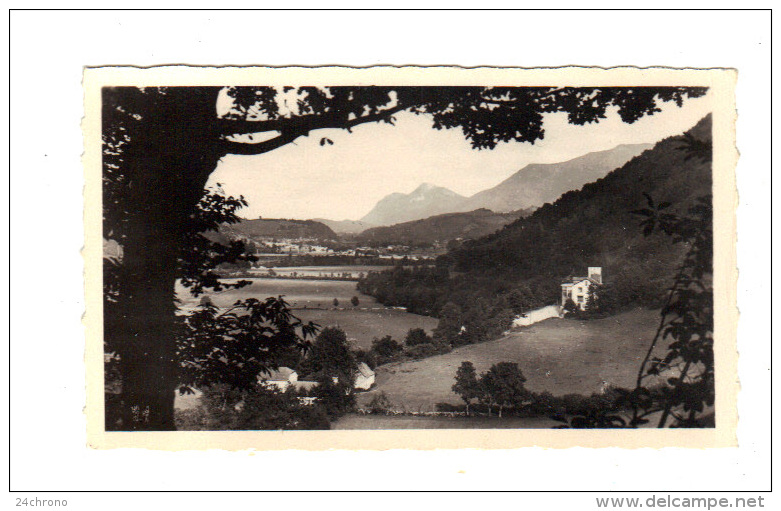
<point x="309" y="417"/>
<point x="369" y="357"/>
<point x="380" y="403"/>
<point x="335" y="398"/>
<point x="386" y="348"/>
<point x="417" y="336"/>
<point x="191" y="420"/>
<point x="259" y="408"/>
<point x="421" y="351"/>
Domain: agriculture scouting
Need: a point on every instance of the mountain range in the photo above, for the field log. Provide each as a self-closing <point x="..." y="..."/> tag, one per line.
<point x="530" y="187"/>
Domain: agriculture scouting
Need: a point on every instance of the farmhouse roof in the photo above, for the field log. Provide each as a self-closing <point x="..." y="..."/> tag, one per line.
<point x="281" y="374"/>
<point x="575" y="280"/>
<point x="365" y="370"/>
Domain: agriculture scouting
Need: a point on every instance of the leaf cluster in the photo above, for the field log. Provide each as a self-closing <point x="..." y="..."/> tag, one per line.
<point x="237" y="345"/>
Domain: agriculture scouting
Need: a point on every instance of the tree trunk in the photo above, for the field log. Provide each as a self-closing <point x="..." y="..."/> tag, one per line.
<point x="167" y="166"/>
<point x="147" y="346"/>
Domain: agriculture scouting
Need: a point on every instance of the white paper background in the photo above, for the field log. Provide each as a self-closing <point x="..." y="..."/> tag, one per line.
<point x="48" y="50"/>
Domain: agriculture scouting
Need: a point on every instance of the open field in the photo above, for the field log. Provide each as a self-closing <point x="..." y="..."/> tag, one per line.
<point x="558" y="355"/>
<point x="313" y="301"/>
<point x="355" y="421"/>
<point x="299" y="293"/>
<point x="363" y="326"/>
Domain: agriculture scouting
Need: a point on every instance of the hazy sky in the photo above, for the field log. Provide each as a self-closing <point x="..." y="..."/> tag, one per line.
<point x="345" y="180"/>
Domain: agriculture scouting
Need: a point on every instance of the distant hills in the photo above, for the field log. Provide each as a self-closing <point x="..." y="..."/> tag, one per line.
<point x="530" y="187"/>
<point x="345" y="226"/>
<point x="279" y="228"/>
<point x="440" y="228"/>
<point x="427" y="200"/>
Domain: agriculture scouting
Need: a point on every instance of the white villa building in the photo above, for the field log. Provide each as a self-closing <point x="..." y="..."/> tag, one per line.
<point x="579" y="289"/>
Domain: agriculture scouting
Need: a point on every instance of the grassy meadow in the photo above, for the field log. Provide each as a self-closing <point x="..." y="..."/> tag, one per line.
<point x="355" y="421"/>
<point x="313" y="301"/>
<point x="560" y="356"/>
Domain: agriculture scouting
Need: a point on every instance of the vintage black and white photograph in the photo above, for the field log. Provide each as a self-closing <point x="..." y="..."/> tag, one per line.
<point x="412" y="253"/>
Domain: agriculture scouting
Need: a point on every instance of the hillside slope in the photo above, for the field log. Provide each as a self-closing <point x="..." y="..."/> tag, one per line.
<point x="540" y="183"/>
<point x="440" y="228"/>
<point x="279" y="228"/>
<point x="595" y="226"/>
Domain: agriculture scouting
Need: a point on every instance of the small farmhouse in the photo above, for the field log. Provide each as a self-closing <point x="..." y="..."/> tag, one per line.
<point x="365" y="377"/>
<point x="283" y="378"/>
<point x="580" y="289"/>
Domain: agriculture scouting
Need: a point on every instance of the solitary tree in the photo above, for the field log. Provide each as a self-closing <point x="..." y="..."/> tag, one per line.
<point x="161" y="144"/>
<point x="466" y="385"/>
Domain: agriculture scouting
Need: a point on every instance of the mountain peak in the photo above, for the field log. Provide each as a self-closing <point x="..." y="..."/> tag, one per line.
<point x="426" y="187"/>
<point x="425" y="201"/>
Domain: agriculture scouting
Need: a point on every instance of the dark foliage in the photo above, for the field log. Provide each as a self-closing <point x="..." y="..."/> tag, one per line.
<point x="417" y="336"/>
<point x="255" y="408"/>
<point x="502" y="385"/>
<point x="466" y="386"/>
<point x="386" y="348"/>
<point x="330" y="357"/>
<point x="337" y="398"/>
<point x="380" y="403"/>
<point x="237" y="345"/>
